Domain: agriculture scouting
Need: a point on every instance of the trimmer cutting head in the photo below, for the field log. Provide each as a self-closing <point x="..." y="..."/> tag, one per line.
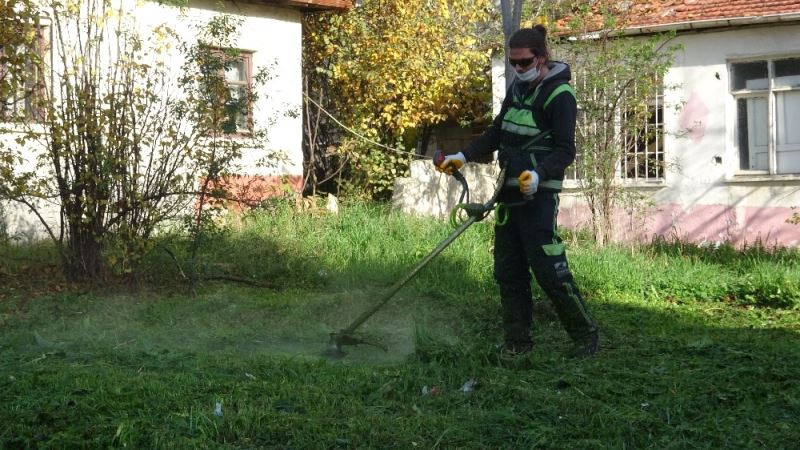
<point x="334" y="349"/>
<point x="342" y="338"/>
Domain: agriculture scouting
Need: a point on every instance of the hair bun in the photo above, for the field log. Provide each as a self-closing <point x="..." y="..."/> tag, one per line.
<point x="541" y="29"/>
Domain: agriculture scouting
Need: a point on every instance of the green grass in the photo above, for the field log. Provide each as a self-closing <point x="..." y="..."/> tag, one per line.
<point x="701" y="347"/>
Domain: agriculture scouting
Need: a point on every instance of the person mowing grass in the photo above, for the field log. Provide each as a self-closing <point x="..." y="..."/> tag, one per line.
<point x="535" y="136"/>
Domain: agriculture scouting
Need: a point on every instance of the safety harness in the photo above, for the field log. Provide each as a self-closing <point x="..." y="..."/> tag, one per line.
<point x="524" y="124"/>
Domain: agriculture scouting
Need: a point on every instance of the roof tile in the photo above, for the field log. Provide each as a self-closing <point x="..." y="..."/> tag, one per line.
<point x="640" y="13"/>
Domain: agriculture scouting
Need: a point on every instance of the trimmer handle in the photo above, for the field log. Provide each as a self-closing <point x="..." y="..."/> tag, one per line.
<point x="438" y="159"/>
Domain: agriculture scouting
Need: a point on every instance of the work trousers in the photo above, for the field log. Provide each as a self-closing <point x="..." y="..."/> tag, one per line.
<point x="528" y="242"/>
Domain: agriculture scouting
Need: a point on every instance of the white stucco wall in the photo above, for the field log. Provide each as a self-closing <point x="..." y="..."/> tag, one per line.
<point x="272" y="33"/>
<point x="701" y="71"/>
<point x="498" y="84"/>
<point x="706" y="196"/>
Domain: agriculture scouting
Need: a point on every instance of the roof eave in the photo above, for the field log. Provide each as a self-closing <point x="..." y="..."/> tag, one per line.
<point x="707" y="24"/>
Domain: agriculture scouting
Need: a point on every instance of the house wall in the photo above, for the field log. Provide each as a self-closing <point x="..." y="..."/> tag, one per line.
<point x="274" y="35"/>
<point x="703" y="198"/>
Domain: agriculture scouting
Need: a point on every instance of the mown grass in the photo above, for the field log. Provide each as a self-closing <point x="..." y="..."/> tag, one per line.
<point x="700" y="346"/>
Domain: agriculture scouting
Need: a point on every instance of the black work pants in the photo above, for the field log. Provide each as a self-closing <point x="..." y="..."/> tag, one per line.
<point x="527" y="243"/>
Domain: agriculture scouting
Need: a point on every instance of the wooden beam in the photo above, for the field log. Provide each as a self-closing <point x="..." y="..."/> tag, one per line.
<point x="312" y="4"/>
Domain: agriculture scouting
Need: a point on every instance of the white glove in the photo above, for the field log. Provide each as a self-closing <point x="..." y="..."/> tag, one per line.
<point x="528" y="183"/>
<point x="452" y="162"/>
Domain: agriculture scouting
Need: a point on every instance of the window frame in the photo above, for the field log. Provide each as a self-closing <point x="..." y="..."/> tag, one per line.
<point x="573" y="181"/>
<point x="28" y="112"/>
<point x="642" y="154"/>
<point x="247" y="57"/>
<point x="771" y="93"/>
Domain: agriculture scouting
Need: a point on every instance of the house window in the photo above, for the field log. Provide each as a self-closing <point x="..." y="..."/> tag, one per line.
<point x="238" y="81"/>
<point x="767" y="94"/>
<point x="642" y="146"/>
<point x="25" y="69"/>
<point x="643" y="159"/>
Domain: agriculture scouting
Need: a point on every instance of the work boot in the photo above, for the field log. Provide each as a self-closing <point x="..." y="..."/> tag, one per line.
<point x="586" y="347"/>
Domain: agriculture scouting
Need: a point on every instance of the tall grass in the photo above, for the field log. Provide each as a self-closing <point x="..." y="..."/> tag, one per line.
<point x="369" y="244"/>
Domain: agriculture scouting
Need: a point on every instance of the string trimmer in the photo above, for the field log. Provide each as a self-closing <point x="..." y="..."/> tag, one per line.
<point x="474" y="212"/>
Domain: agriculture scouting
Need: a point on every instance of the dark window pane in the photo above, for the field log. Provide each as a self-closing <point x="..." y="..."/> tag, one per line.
<point x="787" y="67"/>
<point x="751" y="75"/>
<point x="741" y="127"/>
<point x="787" y="72"/>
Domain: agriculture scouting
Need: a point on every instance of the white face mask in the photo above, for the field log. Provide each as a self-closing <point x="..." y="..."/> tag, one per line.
<point x="530" y="75"/>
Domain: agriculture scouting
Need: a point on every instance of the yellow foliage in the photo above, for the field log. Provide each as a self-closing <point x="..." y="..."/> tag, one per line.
<point x="390" y="66"/>
<point x="400" y="64"/>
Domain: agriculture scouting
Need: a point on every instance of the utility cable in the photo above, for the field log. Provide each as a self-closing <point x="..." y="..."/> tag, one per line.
<point x="355" y="133"/>
<point x="364" y="138"/>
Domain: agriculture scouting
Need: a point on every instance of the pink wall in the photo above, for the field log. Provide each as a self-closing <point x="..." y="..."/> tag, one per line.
<point x="249" y="190"/>
<point x="701" y="223"/>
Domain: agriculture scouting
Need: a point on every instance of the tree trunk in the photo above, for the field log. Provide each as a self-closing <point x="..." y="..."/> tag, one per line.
<point x="424" y="140"/>
<point x="83" y="258"/>
<point x="512" y="14"/>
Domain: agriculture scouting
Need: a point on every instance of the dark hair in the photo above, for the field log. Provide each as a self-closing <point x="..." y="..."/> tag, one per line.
<point x="531" y="38"/>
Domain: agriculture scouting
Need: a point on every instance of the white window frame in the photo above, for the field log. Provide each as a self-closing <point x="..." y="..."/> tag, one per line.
<point x="246" y="83"/>
<point x="771" y="93"/>
<point x="244" y="121"/>
<point x="572" y="181"/>
<point x="643" y="155"/>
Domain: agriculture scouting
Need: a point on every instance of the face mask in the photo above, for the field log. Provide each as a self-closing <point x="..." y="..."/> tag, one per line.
<point x="530" y="75"/>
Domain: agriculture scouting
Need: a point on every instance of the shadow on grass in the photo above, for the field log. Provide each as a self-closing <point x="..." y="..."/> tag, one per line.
<point x="231" y="256"/>
<point x="668" y="376"/>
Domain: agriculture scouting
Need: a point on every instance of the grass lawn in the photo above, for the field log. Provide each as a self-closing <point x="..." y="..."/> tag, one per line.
<point x="700" y="347"/>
